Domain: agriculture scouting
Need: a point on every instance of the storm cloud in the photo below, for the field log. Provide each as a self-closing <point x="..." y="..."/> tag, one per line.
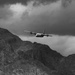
<point x="36" y="2"/>
<point x="56" y="17"/>
<point x="26" y="16"/>
<point x="53" y="17"/>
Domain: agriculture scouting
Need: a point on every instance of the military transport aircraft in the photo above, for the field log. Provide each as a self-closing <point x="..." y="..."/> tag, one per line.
<point x="38" y="34"/>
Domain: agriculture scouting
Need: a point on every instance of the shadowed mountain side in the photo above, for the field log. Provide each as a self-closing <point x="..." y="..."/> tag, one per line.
<point x="10" y="38"/>
<point x="8" y="44"/>
<point x="19" y="57"/>
<point x="67" y="66"/>
<point x="13" y="50"/>
<point x="43" y="54"/>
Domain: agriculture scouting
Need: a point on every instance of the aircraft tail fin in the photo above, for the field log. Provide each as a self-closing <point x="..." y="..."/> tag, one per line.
<point x="44" y="31"/>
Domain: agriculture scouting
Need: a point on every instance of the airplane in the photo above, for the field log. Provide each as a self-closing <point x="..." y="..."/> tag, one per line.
<point x="38" y="34"/>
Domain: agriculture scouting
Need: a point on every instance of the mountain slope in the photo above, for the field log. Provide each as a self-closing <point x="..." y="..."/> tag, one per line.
<point x="16" y="54"/>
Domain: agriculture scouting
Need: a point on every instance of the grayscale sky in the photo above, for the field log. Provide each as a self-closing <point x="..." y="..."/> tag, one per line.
<point x="57" y="17"/>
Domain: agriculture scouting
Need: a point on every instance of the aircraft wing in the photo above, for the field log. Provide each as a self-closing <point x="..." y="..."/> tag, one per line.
<point x="48" y="35"/>
<point x="30" y="32"/>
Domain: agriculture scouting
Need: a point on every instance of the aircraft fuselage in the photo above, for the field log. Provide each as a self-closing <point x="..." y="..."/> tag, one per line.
<point x="39" y="35"/>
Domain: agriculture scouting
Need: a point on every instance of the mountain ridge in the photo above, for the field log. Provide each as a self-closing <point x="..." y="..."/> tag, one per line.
<point x="17" y="56"/>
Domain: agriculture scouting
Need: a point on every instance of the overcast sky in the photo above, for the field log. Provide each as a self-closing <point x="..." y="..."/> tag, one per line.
<point x="57" y="17"/>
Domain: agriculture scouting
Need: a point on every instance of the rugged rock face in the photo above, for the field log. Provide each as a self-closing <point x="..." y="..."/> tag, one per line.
<point x="8" y="44"/>
<point x="44" y="54"/>
<point x="19" y="57"/>
<point x="10" y="38"/>
<point x="67" y="66"/>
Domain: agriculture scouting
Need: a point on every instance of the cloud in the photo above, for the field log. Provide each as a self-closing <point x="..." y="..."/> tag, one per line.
<point x="52" y="17"/>
<point x="66" y="3"/>
<point x="11" y="14"/>
<point x="27" y="16"/>
<point x="18" y="9"/>
<point x="62" y="44"/>
<point x="6" y="2"/>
